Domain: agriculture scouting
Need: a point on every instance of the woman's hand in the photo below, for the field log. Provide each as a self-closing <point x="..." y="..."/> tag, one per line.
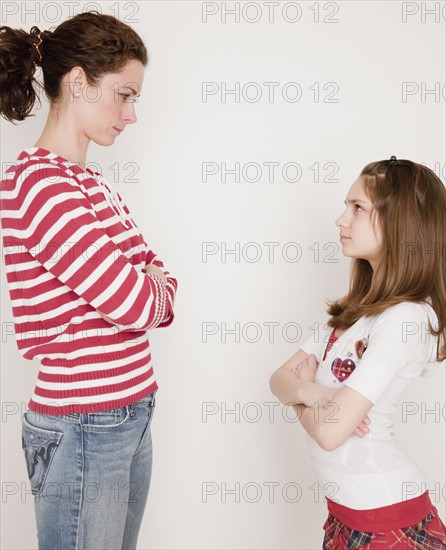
<point x="148" y="268"/>
<point x="155" y="270"/>
<point x="106" y="318"/>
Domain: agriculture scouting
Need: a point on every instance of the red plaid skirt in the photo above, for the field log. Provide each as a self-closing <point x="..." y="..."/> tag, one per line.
<point x="429" y="534"/>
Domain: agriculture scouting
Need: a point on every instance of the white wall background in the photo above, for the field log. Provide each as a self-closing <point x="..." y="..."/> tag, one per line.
<point x="367" y="55"/>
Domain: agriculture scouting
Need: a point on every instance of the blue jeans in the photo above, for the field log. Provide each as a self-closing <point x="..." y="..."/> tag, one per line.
<point x="90" y="475"/>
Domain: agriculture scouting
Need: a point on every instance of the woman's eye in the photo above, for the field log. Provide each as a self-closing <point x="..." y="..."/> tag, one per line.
<point x="358" y="206"/>
<point x="126" y="96"/>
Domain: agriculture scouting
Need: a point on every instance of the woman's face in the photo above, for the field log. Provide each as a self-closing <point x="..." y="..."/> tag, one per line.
<point x="360" y="237"/>
<point x="103" y="111"/>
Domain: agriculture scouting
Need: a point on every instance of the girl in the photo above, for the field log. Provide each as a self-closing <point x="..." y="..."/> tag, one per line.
<point x="389" y="329"/>
<point x="84" y="286"/>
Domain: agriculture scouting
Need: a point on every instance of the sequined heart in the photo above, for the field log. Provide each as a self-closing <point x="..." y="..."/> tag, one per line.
<point x="342" y="369"/>
<point x="360" y="347"/>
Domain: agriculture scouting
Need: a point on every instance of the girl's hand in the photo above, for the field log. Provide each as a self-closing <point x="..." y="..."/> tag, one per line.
<point x="315" y="395"/>
<point x="306" y="370"/>
<point x="363" y="429"/>
<point x="312" y="395"/>
<point x="155" y="270"/>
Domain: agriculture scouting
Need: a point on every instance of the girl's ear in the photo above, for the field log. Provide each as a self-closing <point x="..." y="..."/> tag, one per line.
<point x="376" y="224"/>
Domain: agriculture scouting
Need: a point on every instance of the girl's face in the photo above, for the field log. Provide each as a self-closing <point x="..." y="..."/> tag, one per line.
<point x="360" y="237"/>
<point x="103" y="111"/>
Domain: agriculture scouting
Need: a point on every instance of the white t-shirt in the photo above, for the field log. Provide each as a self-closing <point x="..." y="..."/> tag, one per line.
<point x="378" y="357"/>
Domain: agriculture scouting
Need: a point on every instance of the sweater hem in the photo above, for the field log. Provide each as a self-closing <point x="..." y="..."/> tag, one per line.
<point x="82" y="408"/>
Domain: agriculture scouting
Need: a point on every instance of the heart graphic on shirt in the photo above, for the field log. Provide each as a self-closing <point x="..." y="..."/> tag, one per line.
<point x="342" y="368"/>
<point x="360" y="347"/>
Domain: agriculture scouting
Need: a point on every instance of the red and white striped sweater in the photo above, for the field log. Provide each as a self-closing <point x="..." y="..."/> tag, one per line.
<point x="72" y="252"/>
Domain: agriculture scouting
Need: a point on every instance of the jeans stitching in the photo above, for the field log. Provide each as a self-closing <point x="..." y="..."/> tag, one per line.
<point x="147" y="428"/>
<point x="54" y="439"/>
<point x="105" y="427"/>
<point x="79" y="526"/>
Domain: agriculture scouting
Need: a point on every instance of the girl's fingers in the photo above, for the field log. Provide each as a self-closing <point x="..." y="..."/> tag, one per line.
<point x="361" y="430"/>
<point x="364" y="427"/>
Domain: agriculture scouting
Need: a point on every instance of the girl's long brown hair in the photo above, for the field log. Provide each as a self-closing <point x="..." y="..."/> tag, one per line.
<point x="409" y="201"/>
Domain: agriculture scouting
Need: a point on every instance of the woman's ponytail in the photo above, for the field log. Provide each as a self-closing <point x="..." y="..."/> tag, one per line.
<point x="19" y="58"/>
<point x="98" y="43"/>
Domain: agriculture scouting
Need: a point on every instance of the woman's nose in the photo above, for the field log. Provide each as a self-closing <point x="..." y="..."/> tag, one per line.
<point x="130" y="115"/>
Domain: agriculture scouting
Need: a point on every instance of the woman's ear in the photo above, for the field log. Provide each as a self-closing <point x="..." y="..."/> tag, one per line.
<point x="75" y="81"/>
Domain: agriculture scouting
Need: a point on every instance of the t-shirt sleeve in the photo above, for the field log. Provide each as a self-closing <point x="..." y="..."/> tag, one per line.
<point x="397" y="339"/>
<point x="317" y="342"/>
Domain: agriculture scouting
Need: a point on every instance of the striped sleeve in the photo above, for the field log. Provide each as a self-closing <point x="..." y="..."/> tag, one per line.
<point x="152" y="259"/>
<point x="53" y="219"/>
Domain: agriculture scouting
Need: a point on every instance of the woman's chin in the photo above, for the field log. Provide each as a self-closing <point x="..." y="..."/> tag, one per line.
<point x="104" y="141"/>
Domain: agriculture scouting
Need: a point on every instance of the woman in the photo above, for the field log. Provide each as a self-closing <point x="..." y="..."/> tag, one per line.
<point x="85" y="287"/>
<point x="389" y="329"/>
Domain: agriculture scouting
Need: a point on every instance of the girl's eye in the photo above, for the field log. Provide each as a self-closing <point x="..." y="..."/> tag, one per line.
<point x="358" y="206"/>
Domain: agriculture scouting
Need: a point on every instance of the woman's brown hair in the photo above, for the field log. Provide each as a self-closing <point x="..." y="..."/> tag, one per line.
<point x="96" y="42"/>
<point x="409" y="203"/>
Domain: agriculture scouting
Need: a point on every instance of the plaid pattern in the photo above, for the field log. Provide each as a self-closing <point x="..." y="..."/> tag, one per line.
<point x="331" y="340"/>
<point x="429" y="534"/>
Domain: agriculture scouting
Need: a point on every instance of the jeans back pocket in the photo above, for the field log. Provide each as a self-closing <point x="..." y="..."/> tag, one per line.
<point x="39" y="446"/>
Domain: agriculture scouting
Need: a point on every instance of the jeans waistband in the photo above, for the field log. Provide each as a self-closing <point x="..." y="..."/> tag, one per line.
<point x="150" y="399"/>
<point x="85" y="418"/>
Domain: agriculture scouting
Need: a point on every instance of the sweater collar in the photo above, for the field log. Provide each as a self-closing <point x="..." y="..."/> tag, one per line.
<point x="109" y="192"/>
<point x="40" y="152"/>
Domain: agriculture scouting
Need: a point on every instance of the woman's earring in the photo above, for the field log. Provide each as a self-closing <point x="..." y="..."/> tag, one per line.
<point x="77" y="94"/>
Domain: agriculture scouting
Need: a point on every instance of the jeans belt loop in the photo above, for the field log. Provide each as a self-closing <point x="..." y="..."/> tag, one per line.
<point x="131" y="409"/>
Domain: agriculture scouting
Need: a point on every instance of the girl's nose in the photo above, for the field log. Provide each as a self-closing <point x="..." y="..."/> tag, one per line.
<point x="341" y="221"/>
